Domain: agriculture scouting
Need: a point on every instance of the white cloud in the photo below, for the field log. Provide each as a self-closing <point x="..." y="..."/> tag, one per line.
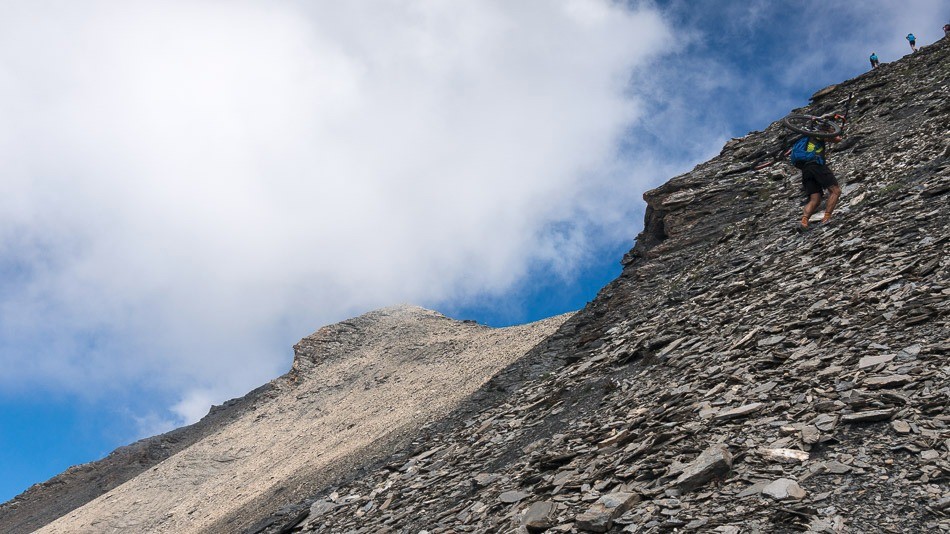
<point x="194" y="405"/>
<point x="189" y="186"/>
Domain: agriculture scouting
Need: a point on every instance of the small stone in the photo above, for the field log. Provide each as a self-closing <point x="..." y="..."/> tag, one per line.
<point x="753" y="489"/>
<point x="539" y="516"/>
<point x="929" y="455"/>
<point x="784" y="455"/>
<point x="871" y="361"/>
<point x="600" y="516"/>
<point x="825" y="422"/>
<point x="810" y="434"/>
<point x="912" y="350"/>
<point x="713" y="462"/>
<point x="900" y="426"/>
<point x="770" y="341"/>
<point x="510" y="497"/>
<point x="837" y="468"/>
<point x="484" y="479"/>
<point x="741" y="411"/>
<point x="784" y="488"/>
<point x="696" y="523"/>
<point x="889" y="381"/>
<point x="869" y="416"/>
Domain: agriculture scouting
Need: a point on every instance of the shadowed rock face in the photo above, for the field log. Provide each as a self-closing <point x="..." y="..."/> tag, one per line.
<point x="813" y="365"/>
<point x="810" y="367"/>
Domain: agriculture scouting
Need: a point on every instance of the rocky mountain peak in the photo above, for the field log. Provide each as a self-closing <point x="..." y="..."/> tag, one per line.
<point x="377" y="328"/>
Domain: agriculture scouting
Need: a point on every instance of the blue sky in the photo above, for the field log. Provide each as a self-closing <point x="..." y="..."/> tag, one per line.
<point x="191" y="187"/>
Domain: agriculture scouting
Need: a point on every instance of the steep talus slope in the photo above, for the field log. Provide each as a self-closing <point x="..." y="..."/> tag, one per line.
<point x="738" y="376"/>
<point x="355" y="391"/>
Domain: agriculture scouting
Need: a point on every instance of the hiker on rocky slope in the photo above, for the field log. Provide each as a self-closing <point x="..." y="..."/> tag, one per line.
<point x="913" y="41"/>
<point x="808" y="154"/>
<point x="874" y="60"/>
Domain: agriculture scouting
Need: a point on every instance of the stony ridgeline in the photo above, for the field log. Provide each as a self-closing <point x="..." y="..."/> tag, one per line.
<point x="738" y="376"/>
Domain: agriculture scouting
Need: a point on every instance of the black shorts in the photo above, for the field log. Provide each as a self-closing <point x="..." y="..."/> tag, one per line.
<point x="817" y="177"/>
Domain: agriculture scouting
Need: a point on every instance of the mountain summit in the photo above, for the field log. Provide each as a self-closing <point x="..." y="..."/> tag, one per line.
<point x="737" y="377"/>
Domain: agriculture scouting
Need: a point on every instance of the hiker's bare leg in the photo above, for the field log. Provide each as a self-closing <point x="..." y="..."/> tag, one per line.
<point x="833" y="193"/>
<point x="814" y="200"/>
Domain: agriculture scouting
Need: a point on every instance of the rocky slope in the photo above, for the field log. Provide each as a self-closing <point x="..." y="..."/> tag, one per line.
<point x="738" y="376"/>
<point x="356" y="390"/>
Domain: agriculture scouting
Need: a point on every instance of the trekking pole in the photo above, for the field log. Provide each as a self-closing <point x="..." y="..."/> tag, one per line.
<point x="847" y="107"/>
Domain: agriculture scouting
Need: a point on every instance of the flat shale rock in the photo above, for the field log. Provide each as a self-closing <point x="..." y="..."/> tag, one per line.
<point x="889" y="381"/>
<point x="539" y="517"/>
<point x="784" y="488"/>
<point x="510" y="497"/>
<point x="739" y="412"/>
<point x="714" y="462"/>
<point x="784" y="455"/>
<point x="600" y="516"/>
<point x="869" y="416"/>
<point x="871" y="361"/>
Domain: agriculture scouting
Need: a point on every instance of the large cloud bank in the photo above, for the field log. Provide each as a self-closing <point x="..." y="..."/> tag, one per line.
<point x="190" y="186"/>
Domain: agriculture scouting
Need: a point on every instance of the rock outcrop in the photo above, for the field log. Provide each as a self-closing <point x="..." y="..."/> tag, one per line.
<point x="737" y="377"/>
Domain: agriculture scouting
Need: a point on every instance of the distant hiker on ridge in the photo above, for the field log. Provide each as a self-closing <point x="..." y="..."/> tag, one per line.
<point x="946" y="30"/>
<point x="913" y="41"/>
<point x="874" y="61"/>
<point x="808" y="154"/>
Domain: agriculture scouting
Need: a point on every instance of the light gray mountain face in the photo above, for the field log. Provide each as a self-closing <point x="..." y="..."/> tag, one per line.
<point x="737" y="377"/>
<point x="357" y="391"/>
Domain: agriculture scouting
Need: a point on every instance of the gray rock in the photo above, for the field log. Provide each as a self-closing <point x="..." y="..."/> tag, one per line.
<point x="869" y="416"/>
<point x="900" y="426"/>
<point x="836" y="468"/>
<point x="810" y="434"/>
<point x="785" y="455"/>
<point x="871" y="361"/>
<point x="539" y="516"/>
<point x="600" y="516"/>
<point x="485" y="479"/>
<point x="510" y="497"/>
<point x="784" y="488"/>
<point x="738" y="412"/>
<point x="713" y="462"/>
<point x="889" y="381"/>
